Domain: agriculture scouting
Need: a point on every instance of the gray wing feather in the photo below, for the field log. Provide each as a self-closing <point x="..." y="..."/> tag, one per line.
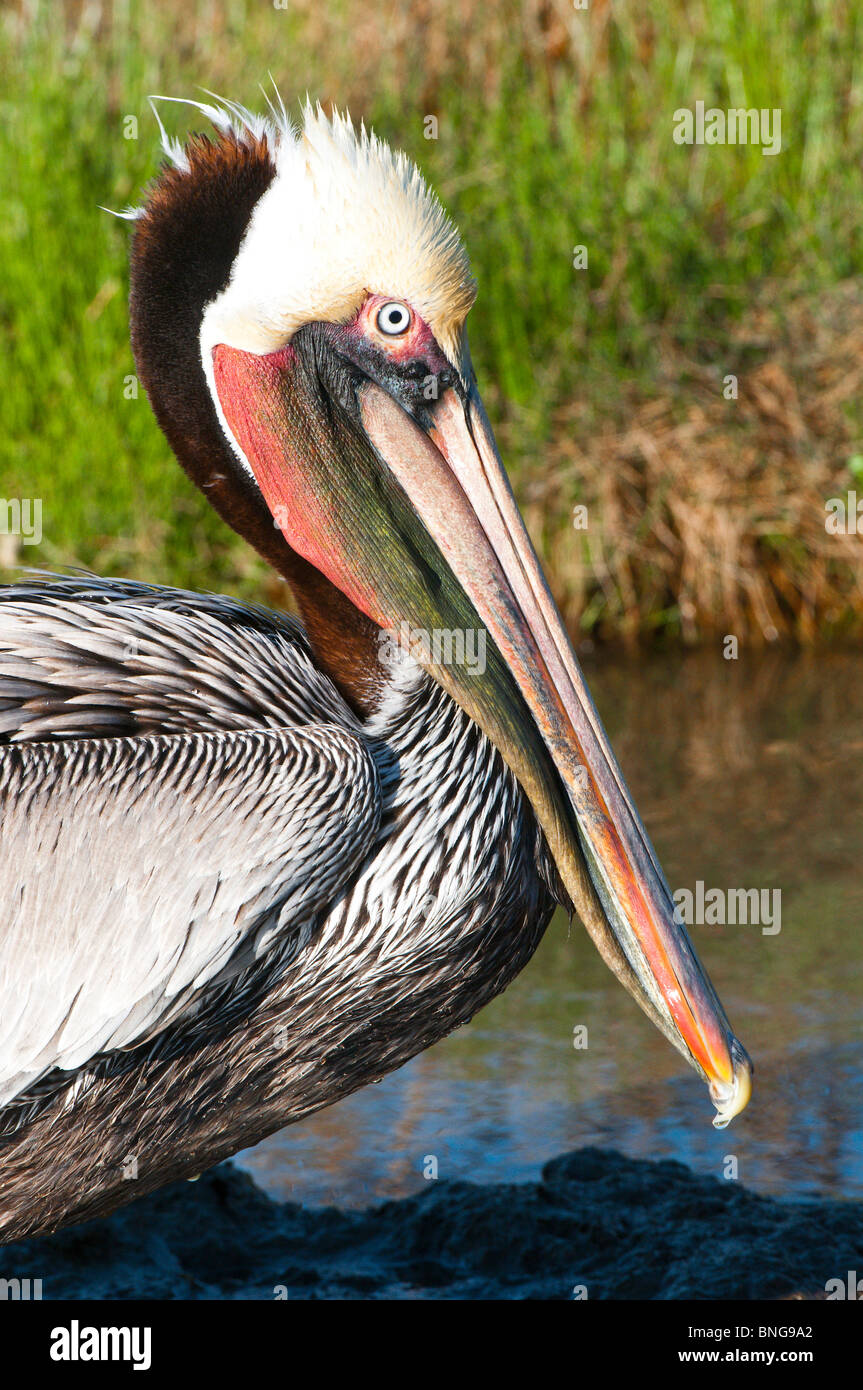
<point x="80" y="657"/>
<point x="137" y="871"/>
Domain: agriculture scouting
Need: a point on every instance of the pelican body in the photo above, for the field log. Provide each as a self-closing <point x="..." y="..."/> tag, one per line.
<point x="251" y="863"/>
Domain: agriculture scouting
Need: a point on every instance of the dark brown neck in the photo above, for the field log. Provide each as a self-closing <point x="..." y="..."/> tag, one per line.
<point x="185" y="243"/>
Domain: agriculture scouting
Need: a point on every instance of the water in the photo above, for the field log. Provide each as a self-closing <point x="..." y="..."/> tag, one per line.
<point x="748" y="774"/>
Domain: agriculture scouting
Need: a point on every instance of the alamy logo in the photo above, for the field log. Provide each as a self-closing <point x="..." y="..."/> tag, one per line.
<point x="738" y="126"/>
<point x="20" y="1290"/>
<point x="844" y="515"/>
<point x="77" y="1343"/>
<point x="848" y="1288"/>
<point x="442" y="646"/>
<point x="721" y="907"/>
<point x="22" y="517"/>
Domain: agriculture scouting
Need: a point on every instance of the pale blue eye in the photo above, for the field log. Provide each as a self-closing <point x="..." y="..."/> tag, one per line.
<point x="394" y="318"/>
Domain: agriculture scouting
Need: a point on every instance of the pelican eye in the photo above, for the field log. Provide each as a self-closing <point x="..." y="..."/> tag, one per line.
<point x="394" y="318"/>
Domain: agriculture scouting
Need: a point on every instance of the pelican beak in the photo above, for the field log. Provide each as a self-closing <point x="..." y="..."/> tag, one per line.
<point x="410" y="512"/>
<point x="464" y="499"/>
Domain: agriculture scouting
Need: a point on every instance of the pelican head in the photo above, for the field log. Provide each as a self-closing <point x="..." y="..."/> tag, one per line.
<point x="299" y="308"/>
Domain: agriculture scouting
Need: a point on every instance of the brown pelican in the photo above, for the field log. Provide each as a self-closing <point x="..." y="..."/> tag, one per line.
<point x="250" y="865"/>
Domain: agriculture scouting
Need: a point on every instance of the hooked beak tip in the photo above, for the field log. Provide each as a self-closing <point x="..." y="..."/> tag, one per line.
<point x="730" y="1097"/>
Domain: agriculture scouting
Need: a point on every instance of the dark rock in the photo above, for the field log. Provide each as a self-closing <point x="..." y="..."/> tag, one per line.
<point x="625" y="1228"/>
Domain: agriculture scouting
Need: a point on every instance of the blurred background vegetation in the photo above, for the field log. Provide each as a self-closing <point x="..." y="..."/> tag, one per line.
<point x="705" y="515"/>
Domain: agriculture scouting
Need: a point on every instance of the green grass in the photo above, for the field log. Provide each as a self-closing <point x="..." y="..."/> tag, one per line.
<point x="555" y="130"/>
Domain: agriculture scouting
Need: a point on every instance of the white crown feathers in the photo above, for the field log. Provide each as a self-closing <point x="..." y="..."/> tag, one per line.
<point x="344" y="216"/>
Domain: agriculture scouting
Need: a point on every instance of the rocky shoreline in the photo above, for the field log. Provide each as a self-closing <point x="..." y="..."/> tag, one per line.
<point x="597" y="1224"/>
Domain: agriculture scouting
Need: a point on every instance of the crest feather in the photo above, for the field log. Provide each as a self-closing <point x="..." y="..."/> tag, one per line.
<point x="344" y="216"/>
